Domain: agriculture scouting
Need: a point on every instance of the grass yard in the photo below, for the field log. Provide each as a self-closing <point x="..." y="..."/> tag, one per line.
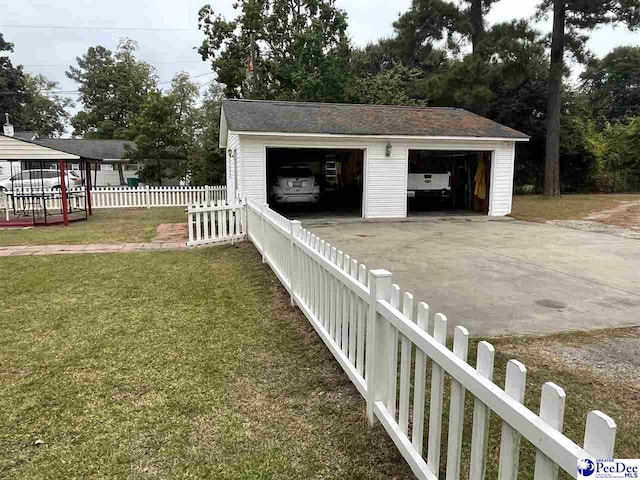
<point x="105" y="226"/>
<point x="568" y="207"/>
<point x="191" y="364"/>
<point x="186" y="364"/>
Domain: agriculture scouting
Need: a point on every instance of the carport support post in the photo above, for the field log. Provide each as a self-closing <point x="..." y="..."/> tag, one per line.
<point x="88" y="187"/>
<point x="379" y="342"/>
<point x="262" y="241"/>
<point x="296" y="226"/>
<point x="63" y="194"/>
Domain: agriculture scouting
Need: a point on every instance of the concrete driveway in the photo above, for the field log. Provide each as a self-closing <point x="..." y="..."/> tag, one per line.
<point x="503" y="277"/>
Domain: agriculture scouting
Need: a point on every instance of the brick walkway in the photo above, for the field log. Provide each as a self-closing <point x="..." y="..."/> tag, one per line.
<point x="23" y="250"/>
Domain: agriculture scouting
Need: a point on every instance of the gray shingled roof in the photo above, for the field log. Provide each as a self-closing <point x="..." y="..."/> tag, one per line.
<point x="351" y="119"/>
<point x="90" y="149"/>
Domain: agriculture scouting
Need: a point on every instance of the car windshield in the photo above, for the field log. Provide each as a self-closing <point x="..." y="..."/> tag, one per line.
<point x="295" y="172"/>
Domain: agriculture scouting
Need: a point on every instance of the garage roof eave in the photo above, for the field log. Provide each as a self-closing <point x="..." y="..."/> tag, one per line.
<point x="380" y="137"/>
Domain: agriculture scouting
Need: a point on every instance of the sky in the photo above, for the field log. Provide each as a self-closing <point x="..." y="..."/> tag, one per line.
<point x="49" y="51"/>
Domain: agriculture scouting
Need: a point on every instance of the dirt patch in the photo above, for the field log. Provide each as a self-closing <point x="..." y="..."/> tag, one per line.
<point x="620" y="221"/>
<point x="610" y="355"/>
<point x="599" y="227"/>
<point x="171" y="232"/>
<point x="625" y="215"/>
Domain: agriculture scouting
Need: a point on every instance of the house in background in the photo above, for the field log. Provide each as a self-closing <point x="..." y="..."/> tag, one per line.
<point x="113" y="170"/>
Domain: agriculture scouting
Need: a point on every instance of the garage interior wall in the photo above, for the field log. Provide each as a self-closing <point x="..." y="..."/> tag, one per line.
<point x="385" y="177"/>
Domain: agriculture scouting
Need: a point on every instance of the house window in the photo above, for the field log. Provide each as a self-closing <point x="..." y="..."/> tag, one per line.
<point x="106" y="167"/>
<point x="75" y="166"/>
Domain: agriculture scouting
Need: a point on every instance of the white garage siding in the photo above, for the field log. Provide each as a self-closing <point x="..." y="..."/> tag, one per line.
<point x="233" y="165"/>
<point x="385" y="187"/>
<point x="386" y="181"/>
<point x="502" y="179"/>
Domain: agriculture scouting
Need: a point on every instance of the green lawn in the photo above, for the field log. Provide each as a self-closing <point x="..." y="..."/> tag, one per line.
<point x="185" y="364"/>
<point x="105" y="226"/>
<point x="568" y="207"/>
<point x="191" y="364"/>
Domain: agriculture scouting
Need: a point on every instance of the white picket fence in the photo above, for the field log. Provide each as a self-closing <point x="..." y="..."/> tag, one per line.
<point x="148" y="196"/>
<point x="140" y="197"/>
<point x="216" y="222"/>
<point x="366" y="322"/>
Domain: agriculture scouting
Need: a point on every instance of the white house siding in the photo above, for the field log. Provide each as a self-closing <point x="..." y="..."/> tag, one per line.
<point x="385" y="177"/>
<point x="6" y="169"/>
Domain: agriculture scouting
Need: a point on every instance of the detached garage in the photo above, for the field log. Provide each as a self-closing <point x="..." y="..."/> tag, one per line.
<point x="381" y="161"/>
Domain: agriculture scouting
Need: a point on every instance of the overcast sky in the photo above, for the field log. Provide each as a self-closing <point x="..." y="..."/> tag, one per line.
<point x="49" y="50"/>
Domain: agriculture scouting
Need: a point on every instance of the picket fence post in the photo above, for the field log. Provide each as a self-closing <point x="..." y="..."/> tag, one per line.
<point x="378" y="342"/>
<point x="294" y="233"/>
<point x="148" y="197"/>
<point x="262" y="242"/>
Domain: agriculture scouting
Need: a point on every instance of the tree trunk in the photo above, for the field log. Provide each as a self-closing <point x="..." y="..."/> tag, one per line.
<point x="477" y="24"/>
<point x="554" y="104"/>
<point x="159" y="173"/>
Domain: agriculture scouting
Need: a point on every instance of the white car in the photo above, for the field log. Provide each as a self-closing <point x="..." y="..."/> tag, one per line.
<point x="295" y="184"/>
<point x="37" y="179"/>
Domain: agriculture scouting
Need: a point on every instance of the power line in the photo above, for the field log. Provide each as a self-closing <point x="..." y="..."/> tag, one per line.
<point x="68" y="65"/>
<point x="190" y="78"/>
<point x="73" y="27"/>
<point x="76" y="92"/>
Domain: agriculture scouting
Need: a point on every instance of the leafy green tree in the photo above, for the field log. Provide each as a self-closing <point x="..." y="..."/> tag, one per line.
<point x="29" y="100"/>
<point x="571" y="20"/>
<point x="613" y="84"/>
<point x="394" y="85"/>
<point x="206" y="161"/>
<point x="113" y="87"/>
<point x="12" y="83"/>
<point x="43" y="110"/>
<point x="279" y="49"/>
<point x="166" y="131"/>
<point x="620" y="164"/>
<point x="159" y="139"/>
<point x="418" y="32"/>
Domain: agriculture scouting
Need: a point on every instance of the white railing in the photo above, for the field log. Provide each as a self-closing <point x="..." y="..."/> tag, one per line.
<point x="29" y="199"/>
<point x="366" y="323"/>
<point x="216" y="222"/>
<point x="148" y="197"/>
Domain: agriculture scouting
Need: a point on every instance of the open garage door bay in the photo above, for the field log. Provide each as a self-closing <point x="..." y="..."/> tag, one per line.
<point x="315" y="180"/>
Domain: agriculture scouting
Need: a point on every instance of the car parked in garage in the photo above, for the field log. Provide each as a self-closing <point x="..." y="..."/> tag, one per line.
<point x="295" y="184"/>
